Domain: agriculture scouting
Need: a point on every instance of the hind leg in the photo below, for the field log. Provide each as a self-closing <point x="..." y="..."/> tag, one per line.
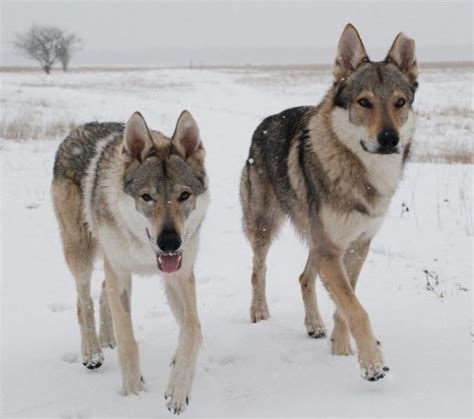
<point x="262" y="219"/>
<point x="312" y="320"/>
<point x="79" y="251"/>
<point x="353" y="261"/>
<point x="259" y="307"/>
<point x="106" y="333"/>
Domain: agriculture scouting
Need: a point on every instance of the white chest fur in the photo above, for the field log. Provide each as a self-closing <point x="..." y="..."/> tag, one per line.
<point x="130" y="254"/>
<point x="344" y="228"/>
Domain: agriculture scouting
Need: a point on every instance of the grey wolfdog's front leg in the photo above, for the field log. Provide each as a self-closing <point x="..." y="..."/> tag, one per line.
<point x="182" y="298"/>
<point x="354" y="259"/>
<point x="335" y="278"/>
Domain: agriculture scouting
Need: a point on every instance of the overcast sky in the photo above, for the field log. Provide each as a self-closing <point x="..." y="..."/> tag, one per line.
<point x="240" y="32"/>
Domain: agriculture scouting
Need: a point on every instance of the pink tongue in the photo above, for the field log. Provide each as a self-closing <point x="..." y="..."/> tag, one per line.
<point x="170" y="264"/>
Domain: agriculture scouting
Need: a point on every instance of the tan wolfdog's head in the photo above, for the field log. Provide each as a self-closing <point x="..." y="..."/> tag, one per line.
<point x="166" y="178"/>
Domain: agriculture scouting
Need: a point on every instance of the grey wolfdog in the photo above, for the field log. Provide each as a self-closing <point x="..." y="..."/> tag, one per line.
<point x="333" y="169"/>
<point x="137" y="198"/>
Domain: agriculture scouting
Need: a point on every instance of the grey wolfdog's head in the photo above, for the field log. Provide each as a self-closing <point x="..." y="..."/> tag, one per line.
<point x="166" y="178"/>
<point x="375" y="98"/>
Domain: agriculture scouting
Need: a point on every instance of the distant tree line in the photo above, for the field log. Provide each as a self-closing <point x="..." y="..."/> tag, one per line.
<point x="47" y="45"/>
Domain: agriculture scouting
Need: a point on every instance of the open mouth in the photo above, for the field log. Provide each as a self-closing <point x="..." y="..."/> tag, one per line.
<point x="169" y="262"/>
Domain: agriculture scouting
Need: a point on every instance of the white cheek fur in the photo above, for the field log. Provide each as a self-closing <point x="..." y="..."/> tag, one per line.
<point x="408" y="129"/>
<point x="197" y="215"/>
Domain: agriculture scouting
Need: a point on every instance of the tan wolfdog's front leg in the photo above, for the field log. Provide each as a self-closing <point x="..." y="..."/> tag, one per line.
<point x="332" y="272"/>
<point x="353" y="261"/>
<point x="182" y="298"/>
<point x="118" y="286"/>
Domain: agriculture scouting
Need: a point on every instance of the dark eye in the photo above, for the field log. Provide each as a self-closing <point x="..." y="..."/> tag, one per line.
<point x="364" y="103"/>
<point x="146" y="197"/>
<point x="400" y="102"/>
<point x="184" y="195"/>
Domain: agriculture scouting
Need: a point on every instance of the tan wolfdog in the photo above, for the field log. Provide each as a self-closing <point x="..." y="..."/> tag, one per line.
<point x="333" y="169"/>
<point x="137" y="198"/>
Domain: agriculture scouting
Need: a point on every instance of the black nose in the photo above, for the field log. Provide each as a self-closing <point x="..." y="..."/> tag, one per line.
<point x="388" y="138"/>
<point x="169" y="241"/>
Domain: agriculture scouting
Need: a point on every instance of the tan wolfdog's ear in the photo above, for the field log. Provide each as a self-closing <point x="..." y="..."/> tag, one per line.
<point x="350" y="53"/>
<point x="186" y="137"/>
<point x="137" y="140"/>
<point x="402" y="53"/>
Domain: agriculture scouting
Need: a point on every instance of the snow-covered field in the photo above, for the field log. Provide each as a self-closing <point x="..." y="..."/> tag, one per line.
<point x="416" y="283"/>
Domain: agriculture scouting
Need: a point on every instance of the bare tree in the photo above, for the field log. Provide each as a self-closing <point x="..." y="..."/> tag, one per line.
<point x="47" y="44"/>
<point x="67" y="45"/>
<point x="40" y="44"/>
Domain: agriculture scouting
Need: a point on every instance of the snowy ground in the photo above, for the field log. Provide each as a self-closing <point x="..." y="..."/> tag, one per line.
<point x="416" y="284"/>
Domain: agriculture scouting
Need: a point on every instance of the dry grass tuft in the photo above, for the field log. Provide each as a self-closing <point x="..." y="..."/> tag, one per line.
<point x="454" y="156"/>
<point x="26" y="127"/>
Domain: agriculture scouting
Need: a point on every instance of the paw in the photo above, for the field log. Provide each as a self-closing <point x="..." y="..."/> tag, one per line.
<point x="93" y="360"/>
<point x="107" y="337"/>
<point x="374" y="372"/>
<point x="259" y="312"/>
<point x="315" y="328"/>
<point x="372" y="365"/>
<point x="176" y="405"/>
<point x="177" y="393"/>
<point x="133" y="385"/>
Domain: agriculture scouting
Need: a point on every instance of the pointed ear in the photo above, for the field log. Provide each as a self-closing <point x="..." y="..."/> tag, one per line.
<point x="350" y="53"/>
<point x="402" y="54"/>
<point x="137" y="140"/>
<point x="186" y="137"/>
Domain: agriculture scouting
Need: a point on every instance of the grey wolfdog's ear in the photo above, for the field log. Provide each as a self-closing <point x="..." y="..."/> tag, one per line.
<point x="137" y="140"/>
<point x="186" y="137"/>
<point x="402" y="54"/>
<point x="350" y="53"/>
